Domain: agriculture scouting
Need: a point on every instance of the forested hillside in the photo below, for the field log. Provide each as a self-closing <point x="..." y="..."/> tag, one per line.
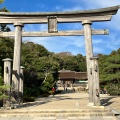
<point x="41" y="66"/>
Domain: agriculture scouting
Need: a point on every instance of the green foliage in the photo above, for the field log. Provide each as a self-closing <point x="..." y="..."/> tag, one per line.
<point x="45" y="95"/>
<point x="1" y="1"/>
<point x="109" y="67"/>
<point x="110" y="71"/>
<point x="113" y="89"/>
<point x="48" y="83"/>
<point x="6" y="51"/>
<point x="4" y="9"/>
<point x="71" y="62"/>
<point x="39" y="64"/>
<point x="50" y="92"/>
<point x="4" y="27"/>
<point x="58" y="91"/>
<point x="31" y="91"/>
<point x="1" y="79"/>
<point x="3" y="90"/>
<point x="28" y="99"/>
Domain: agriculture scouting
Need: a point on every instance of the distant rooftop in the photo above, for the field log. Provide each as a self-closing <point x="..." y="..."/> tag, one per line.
<point x="68" y="74"/>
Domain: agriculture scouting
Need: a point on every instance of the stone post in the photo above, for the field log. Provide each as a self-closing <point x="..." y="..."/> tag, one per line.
<point x="89" y="53"/>
<point x="21" y="84"/>
<point x="96" y="88"/>
<point x="7" y="80"/>
<point x="17" y="60"/>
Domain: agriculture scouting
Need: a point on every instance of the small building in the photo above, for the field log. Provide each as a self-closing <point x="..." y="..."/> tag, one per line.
<point x="68" y="78"/>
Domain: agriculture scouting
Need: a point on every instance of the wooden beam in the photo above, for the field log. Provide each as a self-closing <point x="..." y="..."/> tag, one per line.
<point x="59" y="33"/>
<point x="102" y="14"/>
<point x="60" y="19"/>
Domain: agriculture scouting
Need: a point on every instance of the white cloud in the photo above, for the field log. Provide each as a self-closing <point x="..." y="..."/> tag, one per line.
<point x="57" y="8"/>
<point x="97" y="50"/>
<point x="72" y="8"/>
<point x="35" y="27"/>
<point x="79" y="42"/>
<point x="98" y="41"/>
<point x="114" y="42"/>
<point x="61" y="8"/>
<point x="91" y="4"/>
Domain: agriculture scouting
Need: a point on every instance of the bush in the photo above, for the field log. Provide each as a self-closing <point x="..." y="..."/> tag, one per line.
<point x="50" y="92"/>
<point x="28" y="99"/>
<point x="45" y="95"/>
<point x="113" y="89"/>
<point x="28" y="92"/>
<point x="1" y="103"/>
<point x="58" y="92"/>
<point x="43" y="90"/>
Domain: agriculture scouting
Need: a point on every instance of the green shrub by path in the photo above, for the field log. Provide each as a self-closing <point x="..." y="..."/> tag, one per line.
<point x="50" y="92"/>
<point x="58" y="92"/>
<point x="45" y="95"/>
<point x="28" y="92"/>
<point x="28" y="99"/>
<point x="113" y="89"/>
<point x="3" y="90"/>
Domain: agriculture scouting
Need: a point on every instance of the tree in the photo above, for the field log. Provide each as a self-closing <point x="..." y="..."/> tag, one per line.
<point x="1" y="1"/>
<point x="4" y="27"/>
<point x="39" y="64"/>
<point x="72" y="62"/>
<point x="110" y="71"/>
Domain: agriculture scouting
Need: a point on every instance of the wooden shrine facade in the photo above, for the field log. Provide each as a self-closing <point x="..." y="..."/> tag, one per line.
<point x="68" y="77"/>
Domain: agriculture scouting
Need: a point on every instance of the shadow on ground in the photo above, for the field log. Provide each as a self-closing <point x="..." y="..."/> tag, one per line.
<point x="45" y="100"/>
<point x="106" y="101"/>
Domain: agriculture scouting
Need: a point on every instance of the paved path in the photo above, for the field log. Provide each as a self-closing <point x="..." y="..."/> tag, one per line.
<point x="62" y="101"/>
<point x="68" y="101"/>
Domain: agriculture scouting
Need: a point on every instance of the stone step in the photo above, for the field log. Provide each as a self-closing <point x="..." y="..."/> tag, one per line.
<point x="56" y="115"/>
<point x="54" y="110"/>
<point x="53" y="114"/>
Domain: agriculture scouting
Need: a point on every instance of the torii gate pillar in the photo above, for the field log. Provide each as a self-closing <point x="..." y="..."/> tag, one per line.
<point x="17" y="59"/>
<point x="96" y="88"/>
<point x="89" y="53"/>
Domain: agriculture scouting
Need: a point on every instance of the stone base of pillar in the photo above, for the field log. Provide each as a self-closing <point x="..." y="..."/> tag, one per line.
<point x="6" y="103"/>
<point x="20" y="98"/>
<point x="90" y="104"/>
<point x="98" y="107"/>
<point x="14" y="97"/>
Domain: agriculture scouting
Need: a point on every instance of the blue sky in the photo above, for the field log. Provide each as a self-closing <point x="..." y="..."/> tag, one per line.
<point x="102" y="44"/>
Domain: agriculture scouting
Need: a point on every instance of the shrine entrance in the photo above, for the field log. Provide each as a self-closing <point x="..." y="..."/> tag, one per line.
<point x="70" y="80"/>
<point x="86" y="17"/>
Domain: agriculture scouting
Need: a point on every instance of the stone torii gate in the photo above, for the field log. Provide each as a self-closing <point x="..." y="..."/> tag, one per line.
<point x="86" y="17"/>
